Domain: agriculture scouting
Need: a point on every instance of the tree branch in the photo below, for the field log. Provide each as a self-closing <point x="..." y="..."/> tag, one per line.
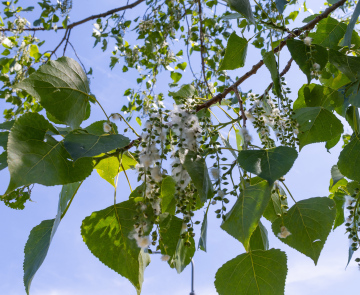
<point x="96" y="16"/>
<point x="296" y="33"/>
<point x="253" y="71"/>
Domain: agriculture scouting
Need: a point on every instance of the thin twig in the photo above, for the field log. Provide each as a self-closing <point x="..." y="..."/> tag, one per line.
<point x="57" y="47"/>
<point x="241" y="106"/>
<point x="96" y="16"/>
<point x="67" y="41"/>
<point x="78" y="57"/>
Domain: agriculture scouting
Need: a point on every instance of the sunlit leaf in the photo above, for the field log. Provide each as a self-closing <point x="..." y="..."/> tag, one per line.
<point x="235" y="53"/>
<point x="107" y="233"/>
<point x="317" y="124"/>
<point x="270" y="164"/>
<point x="243" y="218"/>
<point x="40" y="237"/>
<point x="62" y="88"/>
<point x="31" y="152"/>
<point x="309" y="221"/>
<point x="256" y="273"/>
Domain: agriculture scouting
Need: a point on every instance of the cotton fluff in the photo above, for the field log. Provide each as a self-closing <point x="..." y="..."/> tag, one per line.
<point x="349" y="200"/>
<point x="179" y="174"/>
<point x="284" y="233"/>
<point x="307" y="41"/>
<point x="221" y="193"/>
<point x="115" y="116"/>
<point x="156" y="174"/>
<point x="245" y="134"/>
<point x="107" y="127"/>
<point x="156" y="207"/>
<point x="249" y="116"/>
<point x="184" y="226"/>
<point x="186" y="126"/>
<point x="165" y="257"/>
<point x="215" y="173"/>
<point x="316" y="67"/>
<point x="142" y="242"/>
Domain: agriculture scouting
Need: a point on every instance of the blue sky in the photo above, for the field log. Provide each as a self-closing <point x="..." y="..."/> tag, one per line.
<point x="70" y="268"/>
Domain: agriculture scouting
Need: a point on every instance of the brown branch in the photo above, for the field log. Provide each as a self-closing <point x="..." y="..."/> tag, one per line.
<point x="96" y="16"/>
<point x="296" y="33"/>
<point x="67" y="41"/>
<point x="61" y="42"/>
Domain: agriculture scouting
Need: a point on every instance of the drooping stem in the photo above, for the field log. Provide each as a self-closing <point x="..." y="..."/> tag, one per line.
<point x="288" y="190"/>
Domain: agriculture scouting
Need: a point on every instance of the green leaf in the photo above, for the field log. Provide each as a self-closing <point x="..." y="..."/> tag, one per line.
<point x="203" y="234"/>
<point x="62" y="88"/>
<point x="34" y="52"/>
<point x="280" y="5"/>
<point x="349" y="65"/>
<point x="332" y="142"/>
<point x="351" y="26"/>
<point x="253" y="273"/>
<point x="7" y="125"/>
<point x="340" y="186"/>
<point x="107" y="233"/>
<point x="271" y="64"/>
<point x="234" y="15"/>
<point x="336" y="174"/>
<point x="31" y="152"/>
<point x="349" y="160"/>
<point x="108" y="168"/>
<point x="168" y="202"/>
<point x="317" y="124"/>
<point x="16" y="199"/>
<point x="339" y="199"/>
<point x="243" y="7"/>
<point x="172" y="243"/>
<point x="309" y="222"/>
<point x="89" y="145"/>
<point x="97" y="128"/>
<point x="40" y="237"/>
<point x="175" y="76"/>
<point x="4" y="139"/>
<point x="198" y="171"/>
<point x="329" y="32"/>
<point x="333" y="78"/>
<point x="3" y="160"/>
<point x="270" y="164"/>
<point x="314" y="95"/>
<point x="277" y="204"/>
<point x="353" y="118"/>
<point x="185" y="91"/>
<point x="353" y="94"/>
<point x="259" y="239"/>
<point x="235" y="53"/>
<point x="242" y="220"/>
<point x="299" y="52"/>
